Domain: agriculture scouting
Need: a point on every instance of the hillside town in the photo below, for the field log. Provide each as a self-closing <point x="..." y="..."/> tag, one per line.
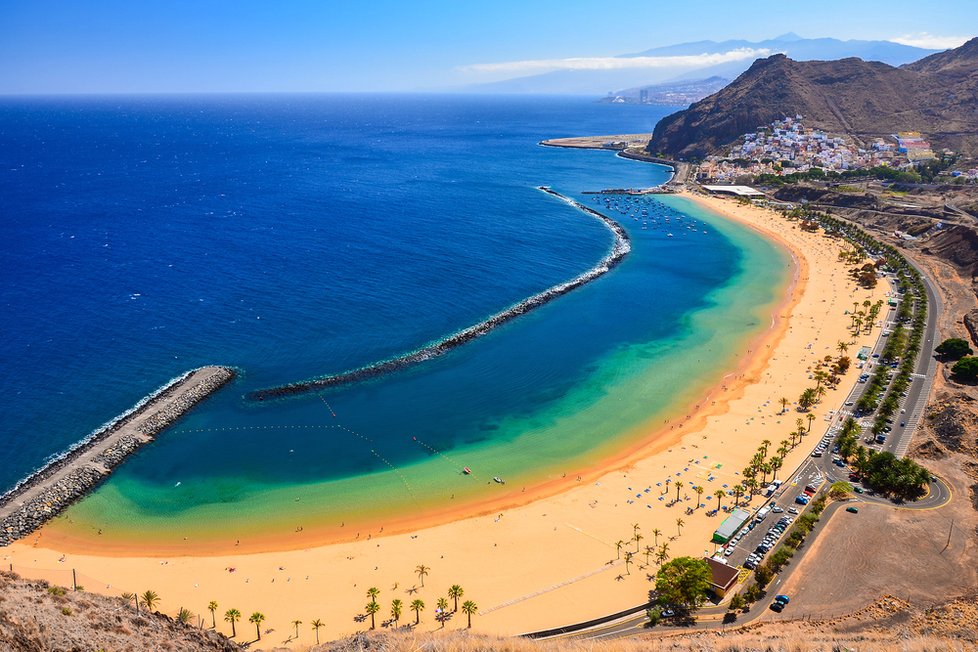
<point x="786" y="146"/>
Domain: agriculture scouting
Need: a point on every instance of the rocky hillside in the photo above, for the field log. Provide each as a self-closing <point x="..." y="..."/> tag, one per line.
<point x="937" y="95"/>
<point x="36" y="617"/>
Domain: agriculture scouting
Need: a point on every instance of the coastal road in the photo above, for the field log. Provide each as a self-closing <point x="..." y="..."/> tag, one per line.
<point x="899" y="441"/>
<point x="820" y="472"/>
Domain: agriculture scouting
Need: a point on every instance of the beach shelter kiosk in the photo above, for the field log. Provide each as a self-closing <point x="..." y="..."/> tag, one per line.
<point x="730" y="525"/>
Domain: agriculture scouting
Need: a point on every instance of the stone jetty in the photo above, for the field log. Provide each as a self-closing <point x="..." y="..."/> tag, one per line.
<point x="619" y="250"/>
<point x="47" y="492"/>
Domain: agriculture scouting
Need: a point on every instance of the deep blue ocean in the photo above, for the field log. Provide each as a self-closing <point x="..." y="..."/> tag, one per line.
<point x="295" y="236"/>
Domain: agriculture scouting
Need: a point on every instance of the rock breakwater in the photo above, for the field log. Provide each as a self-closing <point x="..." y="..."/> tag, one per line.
<point x="620" y="249"/>
<point x="48" y="491"/>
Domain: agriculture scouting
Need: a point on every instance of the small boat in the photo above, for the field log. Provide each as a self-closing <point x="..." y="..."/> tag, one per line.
<point x="466" y="470"/>
<point x="498" y="480"/>
<point x="668" y="235"/>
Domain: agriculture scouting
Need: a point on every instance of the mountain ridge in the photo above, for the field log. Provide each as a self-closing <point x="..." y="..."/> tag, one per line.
<point x="599" y="82"/>
<point x="863" y="99"/>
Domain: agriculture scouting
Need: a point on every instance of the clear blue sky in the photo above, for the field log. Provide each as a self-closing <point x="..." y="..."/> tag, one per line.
<point x="93" y="46"/>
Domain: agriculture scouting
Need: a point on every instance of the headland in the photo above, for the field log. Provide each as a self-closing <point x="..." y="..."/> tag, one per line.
<point x="48" y="491"/>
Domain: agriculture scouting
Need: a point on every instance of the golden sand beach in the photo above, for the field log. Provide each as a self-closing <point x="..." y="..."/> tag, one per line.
<point x="553" y="559"/>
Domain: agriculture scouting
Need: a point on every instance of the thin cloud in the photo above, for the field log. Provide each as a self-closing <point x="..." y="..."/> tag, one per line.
<point x="931" y="42"/>
<point x="616" y="63"/>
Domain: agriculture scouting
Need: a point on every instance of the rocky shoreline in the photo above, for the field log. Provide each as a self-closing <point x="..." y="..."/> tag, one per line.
<point x="48" y="491"/>
<point x="619" y="250"/>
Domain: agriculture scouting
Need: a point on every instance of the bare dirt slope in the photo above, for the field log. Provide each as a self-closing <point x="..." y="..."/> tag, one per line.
<point x="886" y="550"/>
<point x="35" y="619"/>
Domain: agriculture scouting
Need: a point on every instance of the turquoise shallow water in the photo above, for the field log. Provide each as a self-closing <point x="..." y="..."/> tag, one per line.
<point x="294" y="237"/>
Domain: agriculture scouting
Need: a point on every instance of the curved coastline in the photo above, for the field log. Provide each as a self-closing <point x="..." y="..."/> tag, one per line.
<point x="68" y="476"/>
<point x="621" y="247"/>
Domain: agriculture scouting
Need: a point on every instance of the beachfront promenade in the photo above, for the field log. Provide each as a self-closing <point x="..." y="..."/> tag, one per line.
<point x="50" y="490"/>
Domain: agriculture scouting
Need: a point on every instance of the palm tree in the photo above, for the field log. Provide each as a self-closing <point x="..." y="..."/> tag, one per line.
<point x="618" y="544"/>
<point x="765" y="469"/>
<point x="679" y="485"/>
<point x="628" y="560"/>
<point x="648" y="551"/>
<point x="752" y="486"/>
<point x="417" y="606"/>
<point x="719" y="493"/>
<point x="232" y="616"/>
<point x="679" y="525"/>
<point x="421" y="570"/>
<point x="635" y="528"/>
<point x="441" y="607"/>
<point x="469" y="608"/>
<point x="212" y="606"/>
<point x="257" y="618"/>
<point x="810" y="417"/>
<point x="776" y="463"/>
<point x="150" y="599"/>
<point x="663" y="554"/>
<point x="784" y="404"/>
<point x="372" y="608"/>
<point x="396" y="606"/>
<point x="842" y="347"/>
<point x="455" y="592"/>
<point x="637" y="538"/>
<point x="184" y="616"/>
<point x="316" y="624"/>
<point x="737" y="492"/>
<point x="131" y="596"/>
<point x="764" y="445"/>
<point x="699" y="495"/>
<point x="655" y="533"/>
<point x="296" y="624"/>
<point x="372" y="593"/>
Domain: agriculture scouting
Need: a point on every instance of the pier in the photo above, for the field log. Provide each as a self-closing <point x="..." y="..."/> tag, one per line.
<point x="619" y="250"/>
<point x="48" y="491"/>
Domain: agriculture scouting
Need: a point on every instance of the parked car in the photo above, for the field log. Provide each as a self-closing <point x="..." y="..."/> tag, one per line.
<point x="852" y="510"/>
<point x="792" y="510"/>
<point x="802" y="499"/>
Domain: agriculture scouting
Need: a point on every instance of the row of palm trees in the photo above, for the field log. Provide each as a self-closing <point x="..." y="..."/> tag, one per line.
<point x="661" y="551"/>
<point x="417" y="605"/>
<point x="150" y="599"/>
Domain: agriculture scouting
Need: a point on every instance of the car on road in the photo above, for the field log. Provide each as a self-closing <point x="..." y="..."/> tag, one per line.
<point x="780" y="602"/>
<point x="852" y="510"/>
<point x="667" y="613"/>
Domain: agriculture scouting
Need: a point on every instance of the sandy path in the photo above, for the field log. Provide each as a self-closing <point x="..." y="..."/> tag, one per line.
<point x="552" y="561"/>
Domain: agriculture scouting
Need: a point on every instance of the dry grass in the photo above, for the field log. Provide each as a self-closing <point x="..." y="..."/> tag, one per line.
<point x="35" y="617"/>
<point x="765" y="638"/>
